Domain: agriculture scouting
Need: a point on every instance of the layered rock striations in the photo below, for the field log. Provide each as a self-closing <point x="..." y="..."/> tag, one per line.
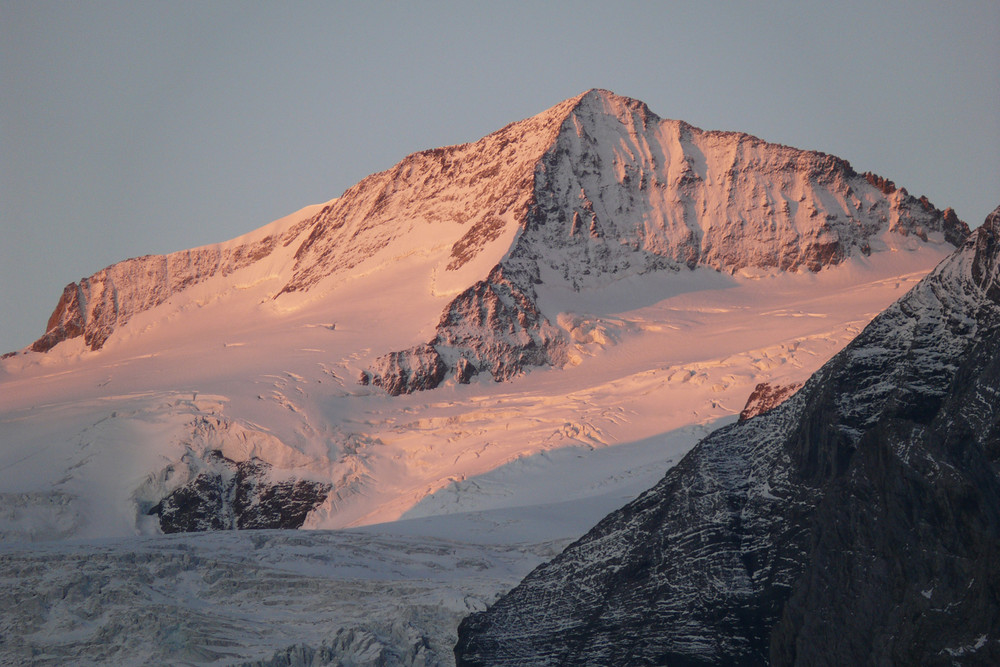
<point x="624" y="191"/>
<point x="856" y="523"/>
<point x="96" y="306"/>
<point x="593" y="189"/>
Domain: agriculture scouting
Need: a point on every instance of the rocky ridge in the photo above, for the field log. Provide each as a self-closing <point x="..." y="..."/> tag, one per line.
<point x="856" y="523"/>
<point x="466" y="195"/>
<point x="96" y="306"/>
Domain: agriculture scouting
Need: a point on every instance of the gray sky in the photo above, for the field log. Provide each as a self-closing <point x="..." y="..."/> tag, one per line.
<point x="135" y="128"/>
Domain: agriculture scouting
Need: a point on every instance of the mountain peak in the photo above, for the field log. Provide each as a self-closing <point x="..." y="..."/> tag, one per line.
<point x="595" y="188"/>
<point x="606" y="101"/>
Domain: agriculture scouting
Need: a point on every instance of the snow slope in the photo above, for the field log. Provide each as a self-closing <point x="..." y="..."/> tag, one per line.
<point x="90" y="434"/>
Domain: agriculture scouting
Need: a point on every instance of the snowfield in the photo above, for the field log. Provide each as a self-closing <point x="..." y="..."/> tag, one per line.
<point x="91" y="435"/>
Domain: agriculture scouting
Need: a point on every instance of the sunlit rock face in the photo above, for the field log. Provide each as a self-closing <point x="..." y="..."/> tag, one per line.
<point x="622" y="192"/>
<point x="856" y="523"/>
<point x="766" y="397"/>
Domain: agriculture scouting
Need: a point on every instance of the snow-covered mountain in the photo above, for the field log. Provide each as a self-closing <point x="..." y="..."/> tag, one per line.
<point x="235" y="379"/>
<point x="856" y="523"/>
<point x="594" y="189"/>
<point x="495" y="343"/>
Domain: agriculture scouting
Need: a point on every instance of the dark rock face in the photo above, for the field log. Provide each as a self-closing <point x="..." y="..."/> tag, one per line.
<point x="465" y="371"/>
<point x="228" y="495"/>
<point x="766" y="397"/>
<point x="856" y="523"/>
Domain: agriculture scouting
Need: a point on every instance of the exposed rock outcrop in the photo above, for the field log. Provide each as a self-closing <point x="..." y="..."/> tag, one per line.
<point x="96" y="306"/>
<point x="404" y="372"/>
<point x="766" y="397"/>
<point x="226" y="495"/>
<point x="856" y="523"/>
<point x="493" y="327"/>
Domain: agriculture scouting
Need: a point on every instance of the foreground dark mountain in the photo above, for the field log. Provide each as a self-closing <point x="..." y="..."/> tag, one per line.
<point x="592" y="190"/>
<point x="857" y="523"/>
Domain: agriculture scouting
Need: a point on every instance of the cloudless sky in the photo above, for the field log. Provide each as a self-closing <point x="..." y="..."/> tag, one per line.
<point x="132" y="128"/>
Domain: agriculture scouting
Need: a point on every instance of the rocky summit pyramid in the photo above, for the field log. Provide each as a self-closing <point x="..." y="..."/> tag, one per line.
<point x="857" y="523"/>
<point x="594" y="189"/>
